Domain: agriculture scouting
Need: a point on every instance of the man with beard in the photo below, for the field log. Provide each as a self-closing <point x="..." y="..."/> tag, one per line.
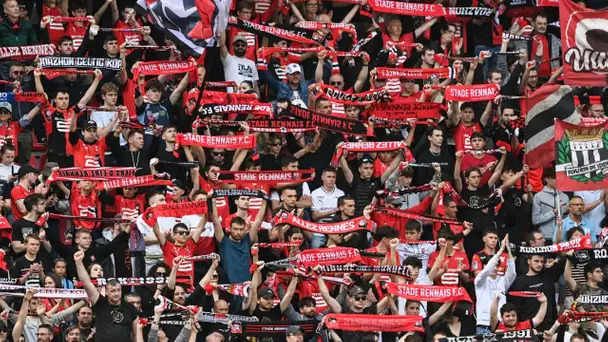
<point x="261" y="302"/>
<point x="508" y="313"/>
<point x="116" y="318"/>
<point x="85" y="318"/>
<point x="238" y="68"/>
<point x="548" y="39"/>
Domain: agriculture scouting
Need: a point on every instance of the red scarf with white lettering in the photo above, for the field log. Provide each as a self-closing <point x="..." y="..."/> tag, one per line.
<point x="180" y="209"/>
<point x="265" y="177"/>
<point x="407" y="8"/>
<point x="29" y="96"/>
<point x="165" y="68"/>
<point x="428" y="293"/>
<point x="328" y="256"/>
<point x="133" y="182"/>
<point x="291" y="34"/>
<point x="373" y="323"/>
<point x="270" y="125"/>
<point x="344" y="227"/>
<point x="341" y="96"/>
<point x="29" y="52"/>
<point x="220" y="84"/>
<point x="576" y="316"/>
<point x="229" y="141"/>
<point x="417" y="73"/>
<point x="404" y="111"/>
<point x="576" y="244"/>
<point x="366" y="146"/>
<point x="475" y="93"/>
<point x="279" y="245"/>
<point x="267" y="51"/>
<point x="330" y="122"/>
<point x="58" y="19"/>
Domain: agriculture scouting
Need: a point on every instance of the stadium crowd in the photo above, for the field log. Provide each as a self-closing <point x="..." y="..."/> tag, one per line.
<point x="195" y="205"/>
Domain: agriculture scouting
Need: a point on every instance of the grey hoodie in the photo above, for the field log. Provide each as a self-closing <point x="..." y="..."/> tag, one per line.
<point x="542" y="210"/>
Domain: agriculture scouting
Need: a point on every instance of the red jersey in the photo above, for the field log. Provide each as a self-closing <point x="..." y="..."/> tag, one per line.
<point x="57" y="126"/>
<point x="455" y="228"/>
<point x="462" y="135"/>
<point x="77" y="33"/>
<point x="255" y="203"/>
<point x="450" y="277"/>
<point x="481" y="259"/>
<point x="265" y="9"/>
<point x="89" y="155"/>
<point x="19" y="192"/>
<point x="55" y="30"/>
<point x="407" y="38"/>
<point x="85" y="206"/>
<point x="310" y="288"/>
<point x="525" y="325"/>
<point x="380" y="167"/>
<point x="128" y="98"/>
<point x="469" y="160"/>
<point x="186" y="269"/>
<point x="221" y="203"/>
<point x="399" y="223"/>
<point x="130" y="207"/>
<point x="407" y="99"/>
<point x="132" y="38"/>
<point x="10" y="133"/>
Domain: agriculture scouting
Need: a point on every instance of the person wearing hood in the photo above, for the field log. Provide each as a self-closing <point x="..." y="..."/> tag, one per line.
<point x="544" y="208"/>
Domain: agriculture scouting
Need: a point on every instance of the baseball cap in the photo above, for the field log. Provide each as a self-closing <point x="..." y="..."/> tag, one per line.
<point x="294" y="329"/>
<point x="266" y="293"/>
<point x="7" y="106"/>
<point x="239" y="37"/>
<point x="293" y="68"/>
<point x="356" y="290"/>
<point x="90" y="124"/>
<point x="25" y="169"/>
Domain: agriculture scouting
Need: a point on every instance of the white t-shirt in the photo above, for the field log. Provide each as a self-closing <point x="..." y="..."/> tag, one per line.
<point x="7" y="171"/>
<point x="192" y="222"/>
<point x="239" y="69"/>
<point x="165" y="224"/>
<point x="325" y="201"/>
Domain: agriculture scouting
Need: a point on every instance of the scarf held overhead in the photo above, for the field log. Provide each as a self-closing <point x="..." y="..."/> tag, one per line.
<point x="264" y="177"/>
<point x="294" y="35"/>
<point x="366" y="146"/>
<point x="417" y="74"/>
<point x="576" y="244"/>
<point x="19" y="291"/>
<point x="164" y="68"/>
<point x="179" y="210"/>
<point x="428" y="293"/>
<point x="341" y="96"/>
<point x="344" y="227"/>
<point x="28" y="96"/>
<point x="114" y="64"/>
<point x="373" y="323"/>
<point x="402" y="271"/>
<point x="407" y="8"/>
<point x="133" y="182"/>
<point x="329" y="122"/>
<point x="404" y="111"/>
<point x="508" y="336"/>
<point x="92" y="174"/>
<point x="328" y="256"/>
<point x="239" y="192"/>
<point x="271" y="125"/>
<point x="264" y="109"/>
<point x="474" y="93"/>
<point x="26" y="52"/>
<point x="229" y="141"/>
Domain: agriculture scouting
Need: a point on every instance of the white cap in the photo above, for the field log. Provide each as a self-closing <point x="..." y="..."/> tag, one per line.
<point x="293" y="68"/>
<point x="6" y="105"/>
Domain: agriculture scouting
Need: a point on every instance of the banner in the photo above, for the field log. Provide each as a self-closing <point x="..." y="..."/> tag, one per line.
<point x="472" y="93"/>
<point x="407" y="8"/>
<point x="239" y="192"/>
<point x="416" y="74"/>
<point x="292" y="34"/>
<point x="428" y="293"/>
<point x="576" y="244"/>
<point x="264" y="177"/>
<point x="344" y="227"/>
<point x="581" y="156"/>
<point x="583" y="44"/>
<point x="586" y="255"/>
<point x="264" y="109"/>
<point x="374" y="323"/>
<point x="509" y="336"/>
<point x="42" y="292"/>
<point x="327" y="256"/>
<point x="228" y="141"/>
<point x="329" y="122"/>
<point x="114" y="64"/>
<point x="341" y="96"/>
<point x="404" y="111"/>
<point x="27" y="52"/>
<point x="75" y="174"/>
<point x="133" y="182"/>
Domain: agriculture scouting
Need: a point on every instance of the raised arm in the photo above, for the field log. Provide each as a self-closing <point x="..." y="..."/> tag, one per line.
<point x="83" y="275"/>
<point x="199" y="228"/>
<point x="457" y="177"/>
<point x="568" y="274"/>
<point x="392" y="167"/>
<point x="162" y="240"/>
<point x="498" y="170"/>
<point x="223" y="47"/>
<point x="176" y="94"/>
<point x="494" y="313"/>
<point x="255" y="282"/>
<point x="425" y="26"/>
<point x="540" y="315"/>
<point x="217" y="226"/>
<point x="348" y="174"/>
<point x="259" y="219"/>
<point x="485" y="116"/>
<point x="437" y="271"/>
<point x="25" y="306"/>
<point x="507" y="184"/>
<point x="332" y="304"/>
<point x="439" y="313"/>
<point x="362" y="77"/>
<point x="291" y="290"/>
<point x="91" y="91"/>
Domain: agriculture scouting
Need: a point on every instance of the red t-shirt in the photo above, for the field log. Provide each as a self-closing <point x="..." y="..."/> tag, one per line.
<point x="56" y="30"/>
<point x="77" y="33"/>
<point x="407" y="99"/>
<point x="130" y="207"/>
<point x="255" y="203"/>
<point x="407" y="38"/>
<point x="221" y="203"/>
<point x="450" y="277"/>
<point x="132" y="38"/>
<point x="85" y="206"/>
<point x="481" y="258"/>
<point x="89" y="155"/>
<point x="380" y="167"/>
<point x="10" y="132"/>
<point x="462" y="135"/>
<point x="519" y="326"/>
<point x="310" y="288"/>
<point x="469" y="160"/>
<point x="186" y="269"/>
<point x="18" y="193"/>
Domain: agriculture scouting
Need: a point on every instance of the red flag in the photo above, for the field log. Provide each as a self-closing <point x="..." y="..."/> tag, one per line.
<point x="581" y="156"/>
<point x="583" y="45"/>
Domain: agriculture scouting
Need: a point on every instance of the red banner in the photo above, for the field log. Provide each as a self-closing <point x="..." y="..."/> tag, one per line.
<point x="404" y="111"/>
<point x="581" y="156"/>
<point x="584" y="52"/>
<point x="472" y="93"/>
<point x="180" y="209"/>
<point x="374" y="323"/>
<point x="328" y="256"/>
<point x="228" y="141"/>
<point x="359" y="223"/>
<point x="429" y="293"/>
<point x="416" y="73"/>
<point x="407" y="8"/>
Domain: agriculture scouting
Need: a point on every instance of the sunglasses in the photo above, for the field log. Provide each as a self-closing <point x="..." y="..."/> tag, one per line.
<point x="19" y="72"/>
<point x="218" y="153"/>
<point x="275" y="144"/>
<point x="182" y="233"/>
<point x="360" y="298"/>
<point x="336" y="83"/>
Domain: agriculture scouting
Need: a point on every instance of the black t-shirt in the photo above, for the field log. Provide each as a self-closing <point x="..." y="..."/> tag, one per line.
<point x="424" y="175"/>
<point x="271" y="315"/>
<point x="22" y="265"/>
<point x="363" y="192"/>
<point x="482" y="219"/>
<point x="356" y="335"/>
<point x="21" y="229"/>
<point x="175" y="171"/>
<point x="113" y="322"/>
